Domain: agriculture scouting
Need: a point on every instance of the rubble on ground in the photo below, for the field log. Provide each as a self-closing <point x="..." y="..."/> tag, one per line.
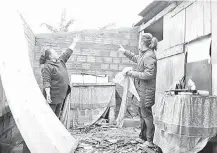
<point x="110" y="139"/>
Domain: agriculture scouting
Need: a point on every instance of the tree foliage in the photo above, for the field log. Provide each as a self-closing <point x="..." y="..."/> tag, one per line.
<point x="63" y="26"/>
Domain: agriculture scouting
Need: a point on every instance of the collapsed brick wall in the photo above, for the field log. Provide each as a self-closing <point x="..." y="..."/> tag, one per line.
<point x="96" y="53"/>
<point x="9" y="133"/>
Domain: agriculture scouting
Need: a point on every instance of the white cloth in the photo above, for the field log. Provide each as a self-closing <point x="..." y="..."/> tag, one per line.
<point x="127" y="83"/>
<point x="121" y="79"/>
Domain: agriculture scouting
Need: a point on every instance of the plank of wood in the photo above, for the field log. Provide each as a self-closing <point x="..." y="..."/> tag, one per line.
<point x="194" y="21"/>
<point x="207" y="17"/>
<point x="170" y="52"/>
<point x="38" y="125"/>
<point x="183" y="5"/>
<point x="176" y="35"/>
<point x="169" y="70"/>
<point x="158" y="16"/>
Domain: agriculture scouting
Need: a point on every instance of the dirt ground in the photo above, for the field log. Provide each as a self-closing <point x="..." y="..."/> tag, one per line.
<point x="111" y="140"/>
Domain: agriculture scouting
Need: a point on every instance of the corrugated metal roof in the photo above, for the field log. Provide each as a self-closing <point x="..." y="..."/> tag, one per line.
<point x="152" y="10"/>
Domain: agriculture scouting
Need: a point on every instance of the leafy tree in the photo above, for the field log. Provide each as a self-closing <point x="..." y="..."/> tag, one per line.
<point x="64" y="24"/>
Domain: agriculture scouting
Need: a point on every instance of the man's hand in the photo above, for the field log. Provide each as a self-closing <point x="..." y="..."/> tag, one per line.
<point x="121" y="49"/>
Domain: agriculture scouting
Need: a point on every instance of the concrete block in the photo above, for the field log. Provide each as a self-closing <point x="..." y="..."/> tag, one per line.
<point x="113" y="66"/>
<point x="99" y="60"/>
<point x="91" y="59"/>
<point x="113" y="53"/>
<point x="85" y="66"/>
<point x="116" y="60"/>
<point x="104" y="66"/>
<point x="81" y="58"/>
<point x="107" y="59"/>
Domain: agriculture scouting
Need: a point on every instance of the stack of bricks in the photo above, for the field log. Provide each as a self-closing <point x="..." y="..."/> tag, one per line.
<point x="95" y="53"/>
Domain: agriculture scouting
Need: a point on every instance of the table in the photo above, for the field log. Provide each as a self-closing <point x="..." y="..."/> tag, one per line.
<point x="185" y="123"/>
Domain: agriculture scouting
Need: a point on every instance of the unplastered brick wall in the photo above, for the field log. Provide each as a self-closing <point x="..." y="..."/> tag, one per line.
<point x="96" y="52"/>
<point x="30" y="38"/>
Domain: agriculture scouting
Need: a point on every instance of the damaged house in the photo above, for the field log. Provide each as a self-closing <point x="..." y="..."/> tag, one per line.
<point x="187" y="35"/>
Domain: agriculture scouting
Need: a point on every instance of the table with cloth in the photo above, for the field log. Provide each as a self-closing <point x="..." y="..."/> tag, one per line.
<point x="185" y="123"/>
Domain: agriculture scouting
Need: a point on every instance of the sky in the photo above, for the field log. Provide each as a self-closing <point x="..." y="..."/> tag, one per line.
<point x="89" y="14"/>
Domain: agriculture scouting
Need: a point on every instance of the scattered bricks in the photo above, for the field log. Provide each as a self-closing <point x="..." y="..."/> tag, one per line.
<point x="85" y="51"/>
<point x="107" y="59"/>
<point x="85" y="66"/>
<point x="99" y="60"/>
<point x="116" y="60"/>
<point x="81" y="58"/>
<point x="95" y="66"/>
<point x="91" y="59"/>
<point x="104" y="66"/>
<point x="113" y="53"/>
<point x="113" y="66"/>
<point x="125" y="61"/>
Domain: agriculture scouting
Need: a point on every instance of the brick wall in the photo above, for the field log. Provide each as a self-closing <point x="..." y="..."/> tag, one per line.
<point x="96" y="53"/>
<point x="30" y="37"/>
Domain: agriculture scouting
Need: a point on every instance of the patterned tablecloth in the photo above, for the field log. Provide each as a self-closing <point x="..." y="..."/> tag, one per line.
<point x="185" y="123"/>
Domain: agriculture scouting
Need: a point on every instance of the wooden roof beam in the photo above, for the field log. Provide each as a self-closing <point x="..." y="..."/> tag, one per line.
<point x="158" y="16"/>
